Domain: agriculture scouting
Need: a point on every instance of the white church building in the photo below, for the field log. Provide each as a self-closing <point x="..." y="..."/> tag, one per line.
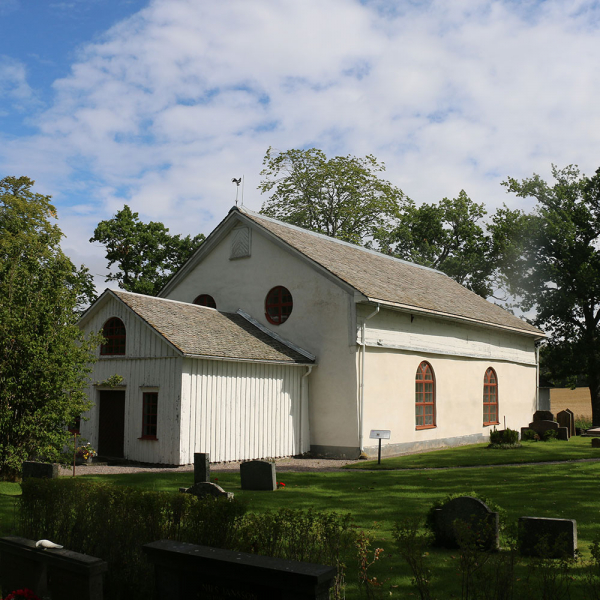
<point x="275" y="341"/>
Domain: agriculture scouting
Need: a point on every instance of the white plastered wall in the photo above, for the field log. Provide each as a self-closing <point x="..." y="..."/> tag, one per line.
<point x="149" y="364"/>
<point x="459" y="355"/>
<point x="322" y="322"/>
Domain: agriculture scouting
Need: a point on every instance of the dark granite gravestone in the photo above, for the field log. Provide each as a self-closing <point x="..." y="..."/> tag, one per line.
<point x="201" y="467"/>
<point x="258" y="475"/>
<point x="565" y="419"/>
<point x="57" y="573"/>
<point x="547" y="538"/>
<point x="40" y="470"/>
<point x="184" y="571"/>
<point x="572" y="428"/>
<point x="596" y="442"/>
<point x="563" y="434"/>
<point x="205" y="488"/>
<point x="542" y="426"/>
<point x="543" y="415"/>
<point x="474" y="513"/>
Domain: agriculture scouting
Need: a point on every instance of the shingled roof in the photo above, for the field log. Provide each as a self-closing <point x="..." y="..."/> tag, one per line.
<point x="385" y="279"/>
<point x="205" y="332"/>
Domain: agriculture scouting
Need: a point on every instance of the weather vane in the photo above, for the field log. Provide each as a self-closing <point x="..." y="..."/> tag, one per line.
<point x="237" y="189"/>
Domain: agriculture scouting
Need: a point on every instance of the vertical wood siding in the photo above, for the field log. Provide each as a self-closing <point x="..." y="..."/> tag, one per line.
<point x="149" y="362"/>
<point x="237" y="411"/>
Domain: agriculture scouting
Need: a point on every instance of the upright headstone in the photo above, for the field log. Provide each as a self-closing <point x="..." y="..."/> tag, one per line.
<point x="541" y="426"/>
<point x="543" y="415"/>
<point x="201" y="467"/>
<point x="258" y="475"/>
<point x="563" y="434"/>
<point x="40" y="470"/>
<point x="184" y="571"/>
<point x="595" y="442"/>
<point x="546" y="537"/>
<point x="565" y="419"/>
<point x="474" y="513"/>
<point x="572" y="430"/>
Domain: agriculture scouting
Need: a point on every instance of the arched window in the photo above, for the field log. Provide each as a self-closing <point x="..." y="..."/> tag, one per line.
<point x="114" y="333"/>
<point x="490" y="398"/>
<point x="278" y="305"/>
<point x="425" y="396"/>
<point x="205" y="300"/>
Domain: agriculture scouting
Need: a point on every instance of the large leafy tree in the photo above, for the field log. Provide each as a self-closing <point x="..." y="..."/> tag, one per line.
<point x="342" y="197"/>
<point x="449" y="236"/>
<point x="44" y="359"/>
<point x="552" y="261"/>
<point x="146" y="254"/>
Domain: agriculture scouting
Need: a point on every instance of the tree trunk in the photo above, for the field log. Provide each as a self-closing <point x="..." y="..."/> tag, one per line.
<point x="594" y="385"/>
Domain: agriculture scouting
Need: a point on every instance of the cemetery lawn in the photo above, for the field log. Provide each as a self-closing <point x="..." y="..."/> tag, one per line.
<point x="8" y="496"/>
<point x="378" y="499"/>
<point x="479" y="454"/>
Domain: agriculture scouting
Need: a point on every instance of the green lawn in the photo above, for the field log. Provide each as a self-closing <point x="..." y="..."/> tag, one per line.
<point x="479" y="454"/>
<point x="378" y="499"/>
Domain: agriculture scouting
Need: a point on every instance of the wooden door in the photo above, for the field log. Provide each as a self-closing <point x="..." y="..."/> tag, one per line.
<point x="111" y="426"/>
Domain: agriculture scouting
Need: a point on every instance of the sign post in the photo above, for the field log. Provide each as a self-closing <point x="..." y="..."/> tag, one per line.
<point x="380" y="434"/>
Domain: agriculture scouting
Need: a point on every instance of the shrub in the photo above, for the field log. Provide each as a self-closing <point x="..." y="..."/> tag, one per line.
<point x="528" y="434"/>
<point x="583" y="422"/>
<point x="508" y="437"/>
<point x="90" y="517"/>
<point x="550" y="435"/>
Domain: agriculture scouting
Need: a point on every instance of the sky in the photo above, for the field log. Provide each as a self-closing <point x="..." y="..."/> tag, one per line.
<point x="159" y="104"/>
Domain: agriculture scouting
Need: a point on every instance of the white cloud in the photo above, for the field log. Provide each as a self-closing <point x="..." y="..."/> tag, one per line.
<point x="171" y="103"/>
<point x="13" y="80"/>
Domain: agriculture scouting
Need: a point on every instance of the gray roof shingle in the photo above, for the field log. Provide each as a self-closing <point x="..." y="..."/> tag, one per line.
<point x="201" y="331"/>
<point x="383" y="278"/>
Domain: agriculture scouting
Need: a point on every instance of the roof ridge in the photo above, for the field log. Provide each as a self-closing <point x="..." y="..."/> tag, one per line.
<point x="245" y="210"/>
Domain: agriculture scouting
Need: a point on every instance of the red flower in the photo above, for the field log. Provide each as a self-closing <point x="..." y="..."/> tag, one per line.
<point x="24" y="593"/>
<point x="281" y="484"/>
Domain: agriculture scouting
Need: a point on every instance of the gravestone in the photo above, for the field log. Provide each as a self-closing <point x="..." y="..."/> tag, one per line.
<point x="572" y="429"/>
<point x="546" y="537"/>
<point x="56" y="573"/>
<point x="201" y="467"/>
<point x="565" y="419"/>
<point x="541" y="426"/>
<point x="563" y="433"/>
<point x="474" y="513"/>
<point x="40" y="470"/>
<point x="184" y="571"/>
<point x="258" y="475"/>
<point x="543" y="415"/>
<point x="596" y="442"/>
<point x="206" y="488"/>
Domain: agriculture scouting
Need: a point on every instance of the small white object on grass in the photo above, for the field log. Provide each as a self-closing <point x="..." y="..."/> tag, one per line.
<point x="46" y="544"/>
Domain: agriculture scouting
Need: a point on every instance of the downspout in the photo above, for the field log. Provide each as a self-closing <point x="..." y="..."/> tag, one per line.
<point x="362" y="378"/>
<point x="303" y="387"/>
<point x="537" y="378"/>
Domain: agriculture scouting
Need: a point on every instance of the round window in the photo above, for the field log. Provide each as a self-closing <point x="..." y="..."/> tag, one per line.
<point x="278" y="305"/>
<point x="205" y="300"/>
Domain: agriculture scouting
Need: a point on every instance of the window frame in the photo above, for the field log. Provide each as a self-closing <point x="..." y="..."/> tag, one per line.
<point x="282" y="316"/>
<point x="147" y="405"/>
<point x="205" y="300"/>
<point x="487" y="387"/>
<point x="422" y="369"/>
<point x="108" y="348"/>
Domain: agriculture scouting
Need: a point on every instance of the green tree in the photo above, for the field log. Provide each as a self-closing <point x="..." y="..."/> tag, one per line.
<point x="145" y="253"/>
<point x="448" y="237"/>
<point x="44" y="358"/>
<point x="552" y="262"/>
<point x="341" y="197"/>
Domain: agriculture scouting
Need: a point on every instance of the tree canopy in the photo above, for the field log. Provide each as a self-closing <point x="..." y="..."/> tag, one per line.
<point x="447" y="236"/>
<point x="552" y="262"/>
<point x="145" y="253"/>
<point x="44" y="359"/>
<point x="341" y="197"/>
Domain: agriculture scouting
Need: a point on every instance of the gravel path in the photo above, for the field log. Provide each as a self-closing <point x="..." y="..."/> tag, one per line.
<point x="283" y="465"/>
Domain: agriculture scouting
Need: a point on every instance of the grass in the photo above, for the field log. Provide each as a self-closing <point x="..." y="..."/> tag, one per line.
<point x="479" y="454"/>
<point x="377" y="499"/>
